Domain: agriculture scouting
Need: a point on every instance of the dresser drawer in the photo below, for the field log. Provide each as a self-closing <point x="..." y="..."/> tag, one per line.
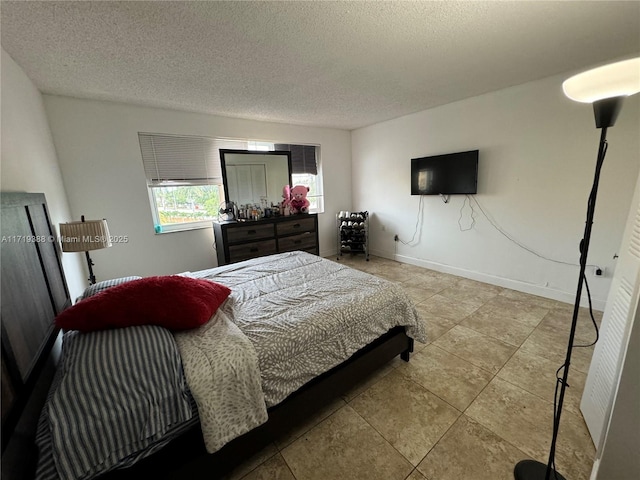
<point x="296" y="226"/>
<point x="251" y="250"/>
<point x="303" y="241"/>
<point x="246" y="233"/>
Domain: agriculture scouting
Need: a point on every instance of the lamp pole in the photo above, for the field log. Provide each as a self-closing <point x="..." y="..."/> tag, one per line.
<point x="529" y="469"/>
<point x="90" y="264"/>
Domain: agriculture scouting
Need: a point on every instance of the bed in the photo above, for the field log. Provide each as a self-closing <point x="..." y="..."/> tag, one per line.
<point x="311" y="326"/>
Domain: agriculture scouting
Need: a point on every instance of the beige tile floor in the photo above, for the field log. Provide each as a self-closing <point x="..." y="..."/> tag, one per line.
<point x="471" y="403"/>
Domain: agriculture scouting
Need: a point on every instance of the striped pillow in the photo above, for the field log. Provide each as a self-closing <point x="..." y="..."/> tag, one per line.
<point x="121" y="391"/>
<point x="101" y="286"/>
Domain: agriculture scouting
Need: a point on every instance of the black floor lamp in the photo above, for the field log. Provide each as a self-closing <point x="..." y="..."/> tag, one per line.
<point x="605" y="87"/>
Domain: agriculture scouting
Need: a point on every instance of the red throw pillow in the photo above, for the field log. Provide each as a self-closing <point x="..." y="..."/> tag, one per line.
<point x="173" y="302"/>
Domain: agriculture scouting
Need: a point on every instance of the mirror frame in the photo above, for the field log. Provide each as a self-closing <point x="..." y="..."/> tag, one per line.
<point x="254" y="153"/>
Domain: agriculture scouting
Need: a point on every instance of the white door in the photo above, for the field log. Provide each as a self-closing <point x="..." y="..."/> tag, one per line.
<point x="245" y="188"/>
<point x="259" y="182"/>
<point x="246" y="183"/>
<point x="604" y="371"/>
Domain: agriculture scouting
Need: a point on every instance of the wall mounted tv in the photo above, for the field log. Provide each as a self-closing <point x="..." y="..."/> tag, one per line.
<point x="450" y="174"/>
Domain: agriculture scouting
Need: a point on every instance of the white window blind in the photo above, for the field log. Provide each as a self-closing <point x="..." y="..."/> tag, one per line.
<point x="183" y="160"/>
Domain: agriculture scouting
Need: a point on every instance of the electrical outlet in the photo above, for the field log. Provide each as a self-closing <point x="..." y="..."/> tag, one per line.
<point x="598" y="271"/>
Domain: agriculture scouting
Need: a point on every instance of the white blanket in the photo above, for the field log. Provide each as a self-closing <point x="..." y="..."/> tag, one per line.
<point x="221" y="367"/>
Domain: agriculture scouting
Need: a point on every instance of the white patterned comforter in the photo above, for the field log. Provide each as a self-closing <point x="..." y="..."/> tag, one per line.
<point x="221" y="368"/>
<point x="304" y="315"/>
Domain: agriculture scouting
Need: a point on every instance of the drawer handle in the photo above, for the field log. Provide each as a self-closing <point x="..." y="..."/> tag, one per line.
<point x="297" y="225"/>
<point x="251" y="232"/>
<point x="254" y="249"/>
<point x="297" y="242"/>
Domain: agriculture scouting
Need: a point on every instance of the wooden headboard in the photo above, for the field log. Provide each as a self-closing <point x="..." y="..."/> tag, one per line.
<point x="34" y="291"/>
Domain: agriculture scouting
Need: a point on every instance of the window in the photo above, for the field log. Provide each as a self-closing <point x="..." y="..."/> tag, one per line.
<point x="186" y="204"/>
<point x="184" y="177"/>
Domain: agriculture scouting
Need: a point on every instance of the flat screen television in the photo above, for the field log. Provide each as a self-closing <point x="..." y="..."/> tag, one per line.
<point x="450" y="174"/>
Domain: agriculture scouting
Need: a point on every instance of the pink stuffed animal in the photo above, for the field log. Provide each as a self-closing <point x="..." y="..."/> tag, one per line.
<point x="299" y="202"/>
<point x="285" y="206"/>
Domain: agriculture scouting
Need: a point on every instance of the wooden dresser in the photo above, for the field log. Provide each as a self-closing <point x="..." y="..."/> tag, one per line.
<point x="237" y="241"/>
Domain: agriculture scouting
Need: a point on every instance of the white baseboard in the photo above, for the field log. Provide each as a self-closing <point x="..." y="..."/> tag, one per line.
<point x="594" y="470"/>
<point x="539" y="290"/>
<point x="329" y="253"/>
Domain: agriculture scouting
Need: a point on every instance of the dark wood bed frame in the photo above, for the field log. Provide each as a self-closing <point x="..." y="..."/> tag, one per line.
<point x="184" y="457"/>
<point x="34" y="291"/>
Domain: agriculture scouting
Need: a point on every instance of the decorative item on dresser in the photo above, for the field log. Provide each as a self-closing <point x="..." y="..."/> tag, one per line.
<point x="237" y="241"/>
<point x="34" y="291"/>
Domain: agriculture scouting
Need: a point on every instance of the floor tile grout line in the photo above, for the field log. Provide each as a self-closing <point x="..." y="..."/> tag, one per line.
<point x="387" y="441"/>
<point x="459" y="358"/>
<point x="448" y="428"/>
<point x="526" y="390"/>
<point x="288" y="467"/>
<point x="300" y="437"/>
<point x="501" y="340"/>
<point x="312" y="427"/>
<point x="465" y="359"/>
<point x="260" y="464"/>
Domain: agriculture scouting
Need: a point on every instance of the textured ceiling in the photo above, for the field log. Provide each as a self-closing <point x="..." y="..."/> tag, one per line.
<point x="336" y="64"/>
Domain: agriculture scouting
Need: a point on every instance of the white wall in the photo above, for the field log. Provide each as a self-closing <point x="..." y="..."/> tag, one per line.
<point x="537" y="159"/>
<point x="99" y="154"/>
<point x="29" y="162"/>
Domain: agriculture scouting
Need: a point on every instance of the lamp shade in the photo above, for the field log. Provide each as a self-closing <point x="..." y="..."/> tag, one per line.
<point x="619" y="79"/>
<point x="85" y="236"/>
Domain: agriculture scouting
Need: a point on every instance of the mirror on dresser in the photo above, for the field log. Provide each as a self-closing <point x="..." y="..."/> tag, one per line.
<point x="255" y="177"/>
